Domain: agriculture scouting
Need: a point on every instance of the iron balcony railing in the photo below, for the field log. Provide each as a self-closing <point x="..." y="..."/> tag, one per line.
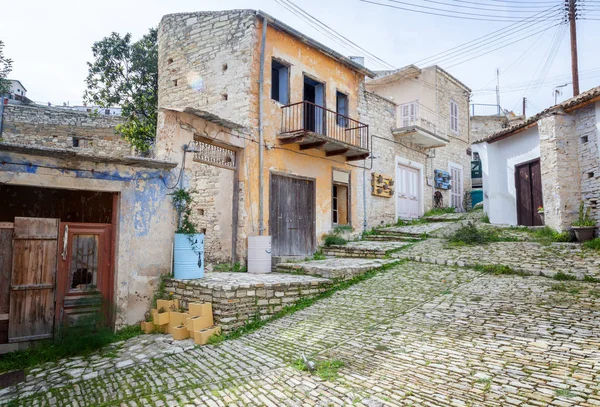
<point x="307" y="117"/>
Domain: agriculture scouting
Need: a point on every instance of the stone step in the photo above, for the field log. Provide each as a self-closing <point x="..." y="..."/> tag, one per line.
<point x="392" y="238"/>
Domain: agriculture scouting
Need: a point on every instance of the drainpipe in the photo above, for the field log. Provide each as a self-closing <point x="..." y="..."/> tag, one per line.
<point x="261" y="225"/>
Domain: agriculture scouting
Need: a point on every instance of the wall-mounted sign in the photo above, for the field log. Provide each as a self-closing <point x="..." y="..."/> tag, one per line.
<point x="382" y="185"/>
<point x="442" y="179"/>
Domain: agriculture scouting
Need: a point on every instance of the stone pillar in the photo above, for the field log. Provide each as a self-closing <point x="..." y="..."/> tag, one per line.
<point x="560" y="169"/>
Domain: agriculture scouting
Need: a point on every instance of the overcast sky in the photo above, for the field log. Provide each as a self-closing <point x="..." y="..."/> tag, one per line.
<point x="50" y="41"/>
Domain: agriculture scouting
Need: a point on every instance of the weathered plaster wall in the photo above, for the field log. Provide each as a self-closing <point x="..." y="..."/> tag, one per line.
<point x="145" y="221"/>
<point x="499" y="160"/>
<point x="380" y="114"/>
<point x="55" y="127"/>
<point x="212" y="187"/>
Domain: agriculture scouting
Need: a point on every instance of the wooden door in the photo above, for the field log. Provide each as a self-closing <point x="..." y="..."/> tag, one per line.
<point x="408" y="192"/>
<point x="35" y="243"/>
<point x="292" y="218"/>
<point x="528" y="184"/>
<point x="6" y="248"/>
<point x="456" y="187"/>
<point x="85" y="278"/>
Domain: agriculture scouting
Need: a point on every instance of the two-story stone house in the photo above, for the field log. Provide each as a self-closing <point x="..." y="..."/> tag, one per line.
<point x="433" y="116"/>
<point x="265" y="81"/>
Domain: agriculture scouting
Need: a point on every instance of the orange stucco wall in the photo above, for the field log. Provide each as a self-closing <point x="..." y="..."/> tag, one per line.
<point x="303" y="60"/>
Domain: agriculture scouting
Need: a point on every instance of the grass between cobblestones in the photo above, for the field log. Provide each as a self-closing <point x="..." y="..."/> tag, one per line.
<point x="76" y="343"/>
<point x="301" y="304"/>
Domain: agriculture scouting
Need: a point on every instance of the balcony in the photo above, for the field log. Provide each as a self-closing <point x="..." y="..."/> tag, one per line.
<point x="421" y="126"/>
<point x="314" y="127"/>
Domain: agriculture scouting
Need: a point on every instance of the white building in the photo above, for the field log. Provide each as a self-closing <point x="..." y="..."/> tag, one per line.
<point x="551" y="160"/>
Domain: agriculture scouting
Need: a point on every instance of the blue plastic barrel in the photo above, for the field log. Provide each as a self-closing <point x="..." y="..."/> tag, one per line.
<point x="188" y="257"/>
<point x="476" y="196"/>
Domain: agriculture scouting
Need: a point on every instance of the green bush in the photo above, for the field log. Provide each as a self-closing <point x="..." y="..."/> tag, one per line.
<point x="549" y="235"/>
<point x="593" y="244"/>
<point x="472" y="235"/>
<point x="584" y="218"/>
<point x="334" y="240"/>
<point x="440" y="211"/>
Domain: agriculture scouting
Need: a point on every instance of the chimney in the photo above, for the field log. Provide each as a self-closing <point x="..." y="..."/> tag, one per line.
<point x="358" y="60"/>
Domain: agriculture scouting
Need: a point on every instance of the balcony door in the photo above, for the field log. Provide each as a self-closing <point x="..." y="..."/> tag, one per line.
<point x="314" y="112"/>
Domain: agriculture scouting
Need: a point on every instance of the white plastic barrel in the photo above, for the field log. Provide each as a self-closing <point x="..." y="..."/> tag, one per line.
<point x="188" y="256"/>
<point x="259" y="254"/>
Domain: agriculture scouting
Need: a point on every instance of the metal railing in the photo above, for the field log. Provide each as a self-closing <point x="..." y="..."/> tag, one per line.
<point x="414" y="114"/>
<point x="305" y="117"/>
<point x="483" y="109"/>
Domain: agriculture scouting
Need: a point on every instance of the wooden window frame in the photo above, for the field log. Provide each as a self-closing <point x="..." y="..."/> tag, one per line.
<point x="454" y="117"/>
<point x="287" y="66"/>
<point x="349" y="186"/>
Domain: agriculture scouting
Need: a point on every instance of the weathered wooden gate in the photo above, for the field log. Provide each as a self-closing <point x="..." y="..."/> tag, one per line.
<point x="292" y="219"/>
<point x="528" y="183"/>
<point x="33" y="280"/>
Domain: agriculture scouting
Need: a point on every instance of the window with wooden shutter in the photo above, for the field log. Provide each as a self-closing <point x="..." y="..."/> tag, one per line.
<point x="409" y="114"/>
<point x="453" y="116"/>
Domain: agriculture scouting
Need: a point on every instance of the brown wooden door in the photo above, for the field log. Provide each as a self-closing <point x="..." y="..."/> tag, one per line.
<point x="6" y="248"/>
<point x="528" y="182"/>
<point x="85" y="279"/>
<point x="292" y="216"/>
<point x="35" y="243"/>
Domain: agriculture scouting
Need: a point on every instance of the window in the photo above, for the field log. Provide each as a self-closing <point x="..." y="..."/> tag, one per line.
<point x="409" y="112"/>
<point x="341" y="198"/>
<point x="453" y="116"/>
<point x="279" y="82"/>
<point x="107" y="111"/>
<point x="341" y="105"/>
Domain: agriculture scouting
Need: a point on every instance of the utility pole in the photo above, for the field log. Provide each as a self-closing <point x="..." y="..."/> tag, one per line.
<point x="572" y="13"/>
<point x="498" y="90"/>
<point x="524" y="105"/>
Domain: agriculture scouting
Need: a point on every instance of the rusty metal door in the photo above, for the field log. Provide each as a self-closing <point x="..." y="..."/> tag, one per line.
<point x="85" y="280"/>
<point x="35" y="243"/>
<point x="292" y="219"/>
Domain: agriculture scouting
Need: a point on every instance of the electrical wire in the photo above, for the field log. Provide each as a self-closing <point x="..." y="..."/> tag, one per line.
<point x="503" y="19"/>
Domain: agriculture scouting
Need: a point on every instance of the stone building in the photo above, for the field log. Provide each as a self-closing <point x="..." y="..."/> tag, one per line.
<point x="433" y="115"/>
<point x="85" y="215"/>
<point x="551" y="160"/>
<point x="210" y="89"/>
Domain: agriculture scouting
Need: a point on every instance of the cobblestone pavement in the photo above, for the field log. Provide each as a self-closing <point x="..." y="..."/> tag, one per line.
<point x="417" y="334"/>
<point x="529" y="257"/>
<point x="336" y="268"/>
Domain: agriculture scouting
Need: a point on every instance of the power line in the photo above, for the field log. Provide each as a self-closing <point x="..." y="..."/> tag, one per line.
<point x="524" y="22"/>
<point x="325" y="26"/>
<point x="504" y="9"/>
<point x="452" y="11"/>
<point x="502" y="19"/>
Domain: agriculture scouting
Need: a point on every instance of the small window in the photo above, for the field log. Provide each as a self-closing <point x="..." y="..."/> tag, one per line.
<point x="341" y="103"/>
<point x="454" y="116"/>
<point x="340" y="198"/>
<point x="107" y="111"/>
<point x="279" y="82"/>
<point x="584" y="139"/>
<point x="75" y="142"/>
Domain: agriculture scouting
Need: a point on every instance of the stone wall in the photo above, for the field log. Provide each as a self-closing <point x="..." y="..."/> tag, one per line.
<point x="448" y="89"/>
<point x="55" y="127"/>
<point x="588" y="139"/>
<point x="239" y="297"/>
<point x="205" y="61"/>
<point x="380" y="114"/>
<point x="483" y="126"/>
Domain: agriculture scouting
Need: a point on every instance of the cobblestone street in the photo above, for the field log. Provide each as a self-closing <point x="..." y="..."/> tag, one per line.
<point x="415" y="334"/>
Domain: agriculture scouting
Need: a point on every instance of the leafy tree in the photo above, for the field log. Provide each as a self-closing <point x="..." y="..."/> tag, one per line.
<point x="125" y="73"/>
<point x="5" y="69"/>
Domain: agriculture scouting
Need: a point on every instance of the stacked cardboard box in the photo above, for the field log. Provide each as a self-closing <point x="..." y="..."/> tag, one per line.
<point x="196" y="323"/>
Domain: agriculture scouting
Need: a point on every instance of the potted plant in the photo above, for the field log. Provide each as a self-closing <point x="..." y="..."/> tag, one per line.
<point x="584" y="225"/>
<point x="188" y="254"/>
